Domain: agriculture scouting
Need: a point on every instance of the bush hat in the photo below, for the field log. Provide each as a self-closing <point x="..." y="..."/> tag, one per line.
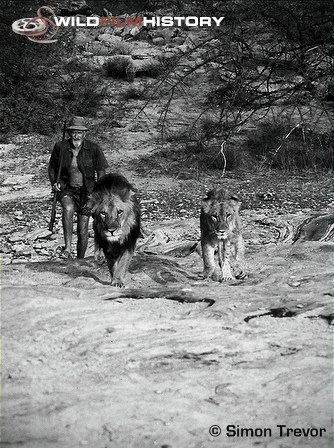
<point x="77" y="124"/>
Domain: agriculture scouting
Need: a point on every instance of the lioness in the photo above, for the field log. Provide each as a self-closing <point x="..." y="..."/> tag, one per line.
<point x="116" y="214"/>
<point x="221" y="231"/>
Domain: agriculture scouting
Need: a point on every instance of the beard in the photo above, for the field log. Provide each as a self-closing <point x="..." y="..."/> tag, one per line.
<point x="77" y="142"/>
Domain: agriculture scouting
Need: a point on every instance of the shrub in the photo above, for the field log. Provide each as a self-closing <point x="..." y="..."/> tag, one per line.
<point x="152" y="70"/>
<point x="81" y="96"/>
<point x="134" y="93"/>
<point x="121" y="48"/>
<point x="180" y="136"/>
<point x="38" y="91"/>
<point x="207" y="154"/>
<point x="284" y="146"/>
<point x="40" y="108"/>
<point x="99" y="49"/>
<point x="120" y="67"/>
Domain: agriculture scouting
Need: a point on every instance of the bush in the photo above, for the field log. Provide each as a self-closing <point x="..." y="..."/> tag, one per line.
<point x="81" y="95"/>
<point x="210" y="157"/>
<point x="40" y="104"/>
<point x="42" y="84"/>
<point x="121" y="48"/>
<point x="302" y="149"/>
<point x="134" y="93"/>
<point x="120" y="67"/>
<point x="180" y="136"/>
<point x="207" y="155"/>
<point x="99" y="49"/>
<point x="151" y="69"/>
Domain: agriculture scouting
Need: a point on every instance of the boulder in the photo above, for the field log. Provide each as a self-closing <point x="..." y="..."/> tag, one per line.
<point x="69" y="7"/>
<point x="107" y="38"/>
<point x="158" y="41"/>
<point x="16" y="237"/>
<point x="38" y="234"/>
<point x="81" y="38"/>
<point x="95" y="62"/>
<point x="316" y="228"/>
<point x="18" y="179"/>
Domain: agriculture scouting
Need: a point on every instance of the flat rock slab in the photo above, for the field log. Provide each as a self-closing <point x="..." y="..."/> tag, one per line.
<point x="316" y="228"/>
<point x="160" y="362"/>
<point x="18" y="180"/>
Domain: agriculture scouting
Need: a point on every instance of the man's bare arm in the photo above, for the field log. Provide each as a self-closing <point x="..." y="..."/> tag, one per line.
<point x="52" y="176"/>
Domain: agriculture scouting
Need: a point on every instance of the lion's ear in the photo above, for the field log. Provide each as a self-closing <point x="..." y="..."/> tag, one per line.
<point x="235" y="201"/>
<point x="131" y="193"/>
<point x="93" y="202"/>
<point x="210" y="195"/>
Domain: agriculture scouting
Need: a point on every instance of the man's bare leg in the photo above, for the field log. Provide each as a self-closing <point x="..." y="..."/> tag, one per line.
<point x="67" y="220"/>
<point x="82" y="231"/>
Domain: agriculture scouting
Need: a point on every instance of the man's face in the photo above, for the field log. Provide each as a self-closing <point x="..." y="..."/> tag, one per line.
<point x="77" y="137"/>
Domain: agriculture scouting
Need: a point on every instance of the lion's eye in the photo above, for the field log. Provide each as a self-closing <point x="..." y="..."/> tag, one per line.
<point x="103" y="215"/>
<point x="120" y="212"/>
<point x="214" y="218"/>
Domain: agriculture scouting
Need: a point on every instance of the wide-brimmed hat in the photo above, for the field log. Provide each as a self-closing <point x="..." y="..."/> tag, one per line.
<point x="77" y="124"/>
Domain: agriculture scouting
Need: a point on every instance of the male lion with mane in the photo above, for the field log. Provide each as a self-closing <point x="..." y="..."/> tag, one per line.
<point x="221" y="232"/>
<point x="116" y="213"/>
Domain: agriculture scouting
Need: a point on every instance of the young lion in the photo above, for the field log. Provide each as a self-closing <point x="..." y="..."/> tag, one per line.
<point x="221" y="231"/>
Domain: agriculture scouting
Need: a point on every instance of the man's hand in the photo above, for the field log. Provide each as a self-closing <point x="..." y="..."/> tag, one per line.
<point x="56" y="187"/>
<point x="100" y="174"/>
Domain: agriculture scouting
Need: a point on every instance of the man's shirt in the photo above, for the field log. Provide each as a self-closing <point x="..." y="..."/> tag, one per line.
<point x="90" y="160"/>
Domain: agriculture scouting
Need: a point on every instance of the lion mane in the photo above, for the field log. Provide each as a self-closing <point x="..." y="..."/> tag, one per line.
<point x="116" y="214"/>
<point x="221" y="233"/>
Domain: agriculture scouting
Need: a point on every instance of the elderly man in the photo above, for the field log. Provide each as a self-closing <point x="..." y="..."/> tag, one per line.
<point x="81" y="162"/>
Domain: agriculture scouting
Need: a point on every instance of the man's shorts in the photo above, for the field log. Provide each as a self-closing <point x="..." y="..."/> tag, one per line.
<point x="79" y="197"/>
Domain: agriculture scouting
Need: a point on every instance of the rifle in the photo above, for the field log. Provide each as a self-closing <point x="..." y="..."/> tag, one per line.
<point x="55" y="193"/>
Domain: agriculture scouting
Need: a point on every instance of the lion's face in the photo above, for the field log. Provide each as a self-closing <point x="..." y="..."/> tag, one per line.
<point x="113" y="217"/>
<point x="220" y="214"/>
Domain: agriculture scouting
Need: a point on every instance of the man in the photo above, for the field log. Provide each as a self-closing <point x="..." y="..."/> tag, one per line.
<point x="81" y="162"/>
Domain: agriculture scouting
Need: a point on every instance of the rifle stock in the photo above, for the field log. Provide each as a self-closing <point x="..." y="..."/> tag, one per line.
<point x="55" y="193"/>
<point x="53" y="212"/>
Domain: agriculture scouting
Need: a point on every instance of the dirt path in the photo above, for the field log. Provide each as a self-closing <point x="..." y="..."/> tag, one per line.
<point x="84" y="366"/>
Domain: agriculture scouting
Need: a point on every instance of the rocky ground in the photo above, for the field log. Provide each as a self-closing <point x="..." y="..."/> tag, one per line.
<point x="159" y="363"/>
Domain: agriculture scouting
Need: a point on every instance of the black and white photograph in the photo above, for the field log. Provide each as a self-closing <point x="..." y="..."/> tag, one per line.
<point x="167" y="226"/>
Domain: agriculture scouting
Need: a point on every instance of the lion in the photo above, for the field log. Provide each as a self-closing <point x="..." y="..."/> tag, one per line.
<point x="221" y="232"/>
<point x="116" y="214"/>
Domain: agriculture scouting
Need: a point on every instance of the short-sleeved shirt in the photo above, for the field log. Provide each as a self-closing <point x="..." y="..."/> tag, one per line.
<point x="90" y="160"/>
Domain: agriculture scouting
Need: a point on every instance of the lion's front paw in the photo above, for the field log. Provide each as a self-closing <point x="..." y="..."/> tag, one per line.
<point x="118" y="284"/>
<point x="227" y="272"/>
<point x="99" y="256"/>
<point x="207" y="273"/>
<point x="217" y="275"/>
